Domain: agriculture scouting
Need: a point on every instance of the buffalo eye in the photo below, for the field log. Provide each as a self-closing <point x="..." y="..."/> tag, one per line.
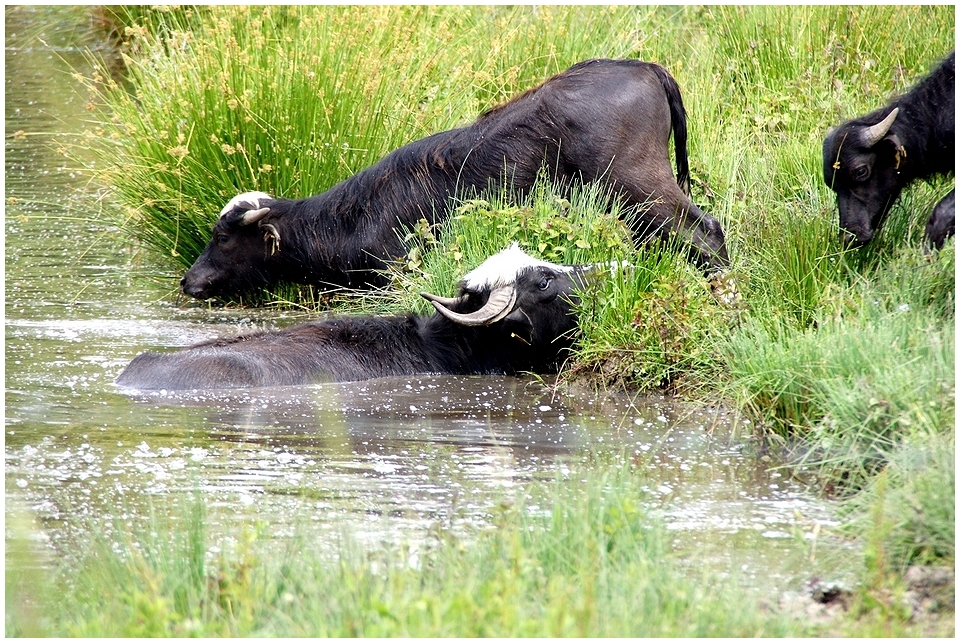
<point x="860" y="173"/>
<point x="222" y="238"/>
<point x="544" y="282"/>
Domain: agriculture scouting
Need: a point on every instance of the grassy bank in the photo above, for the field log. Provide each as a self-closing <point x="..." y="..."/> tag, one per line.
<point x="847" y="358"/>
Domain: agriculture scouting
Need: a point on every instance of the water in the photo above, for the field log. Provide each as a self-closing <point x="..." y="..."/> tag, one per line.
<point x="386" y="459"/>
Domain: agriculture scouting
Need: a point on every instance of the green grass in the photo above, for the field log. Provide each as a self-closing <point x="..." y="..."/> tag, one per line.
<point x="852" y="390"/>
<point x="594" y="563"/>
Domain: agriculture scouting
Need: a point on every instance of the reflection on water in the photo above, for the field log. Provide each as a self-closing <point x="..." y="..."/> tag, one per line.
<point x="386" y="458"/>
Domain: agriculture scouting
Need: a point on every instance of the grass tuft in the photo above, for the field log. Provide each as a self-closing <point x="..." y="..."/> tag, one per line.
<point x="913" y="499"/>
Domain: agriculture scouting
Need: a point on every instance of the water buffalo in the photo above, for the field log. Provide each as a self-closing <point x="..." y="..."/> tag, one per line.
<point x="867" y="161"/>
<point x="514" y="313"/>
<point x="600" y="120"/>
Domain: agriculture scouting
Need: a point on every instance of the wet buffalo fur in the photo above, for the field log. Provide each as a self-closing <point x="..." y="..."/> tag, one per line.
<point x="919" y="144"/>
<point x="533" y="337"/>
<point x="607" y="120"/>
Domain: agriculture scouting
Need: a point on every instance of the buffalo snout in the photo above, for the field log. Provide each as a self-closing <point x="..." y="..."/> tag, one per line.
<point x="193" y="289"/>
<point x="849" y="240"/>
<point x="198" y="282"/>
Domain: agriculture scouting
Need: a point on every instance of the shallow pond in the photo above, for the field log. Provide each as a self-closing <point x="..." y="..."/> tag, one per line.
<point x="385" y="458"/>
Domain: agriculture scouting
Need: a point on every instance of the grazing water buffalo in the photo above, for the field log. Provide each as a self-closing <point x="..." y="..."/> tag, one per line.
<point x="601" y="120"/>
<point x="514" y="313"/>
<point x="869" y="160"/>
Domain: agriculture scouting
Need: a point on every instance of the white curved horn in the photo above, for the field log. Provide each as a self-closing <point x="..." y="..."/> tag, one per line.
<point x="445" y="301"/>
<point x="252" y="216"/>
<point x="499" y="305"/>
<point x="875" y="133"/>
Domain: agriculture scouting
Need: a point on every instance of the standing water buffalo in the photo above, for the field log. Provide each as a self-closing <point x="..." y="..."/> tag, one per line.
<point x="601" y="120"/>
<point x="869" y="160"/>
<point x="514" y="313"/>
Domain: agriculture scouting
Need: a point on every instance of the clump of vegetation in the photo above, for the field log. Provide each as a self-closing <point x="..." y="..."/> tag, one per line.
<point x="910" y="505"/>
<point x="646" y="323"/>
<point x="572" y="228"/>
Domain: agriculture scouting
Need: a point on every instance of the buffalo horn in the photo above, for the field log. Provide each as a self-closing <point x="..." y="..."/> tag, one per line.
<point x="250" y="200"/>
<point x="446" y="301"/>
<point x="873" y="134"/>
<point x="252" y="216"/>
<point x="499" y="305"/>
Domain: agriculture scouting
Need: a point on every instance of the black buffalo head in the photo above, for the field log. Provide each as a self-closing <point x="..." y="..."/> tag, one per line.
<point x="241" y="244"/>
<point x="521" y="297"/>
<point x="861" y="163"/>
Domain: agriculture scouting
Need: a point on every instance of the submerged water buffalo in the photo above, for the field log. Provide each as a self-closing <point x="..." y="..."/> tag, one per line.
<point x="514" y="313"/>
<point x="601" y="120"/>
<point x="867" y="161"/>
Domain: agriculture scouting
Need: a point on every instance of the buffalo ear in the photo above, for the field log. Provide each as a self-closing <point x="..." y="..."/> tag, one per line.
<point x="271" y="236"/>
<point x="520" y="325"/>
<point x="519" y="317"/>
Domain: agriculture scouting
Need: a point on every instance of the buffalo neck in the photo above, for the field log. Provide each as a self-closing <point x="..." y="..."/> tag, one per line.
<point x="341" y="235"/>
<point x="925" y="149"/>
<point x="925" y="126"/>
<point x="454" y="348"/>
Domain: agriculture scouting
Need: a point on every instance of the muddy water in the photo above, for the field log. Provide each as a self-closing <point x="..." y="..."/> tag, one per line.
<point x="384" y="459"/>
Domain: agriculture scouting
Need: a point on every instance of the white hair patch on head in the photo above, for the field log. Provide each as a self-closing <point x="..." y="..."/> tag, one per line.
<point x="502" y="269"/>
<point x="253" y="198"/>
